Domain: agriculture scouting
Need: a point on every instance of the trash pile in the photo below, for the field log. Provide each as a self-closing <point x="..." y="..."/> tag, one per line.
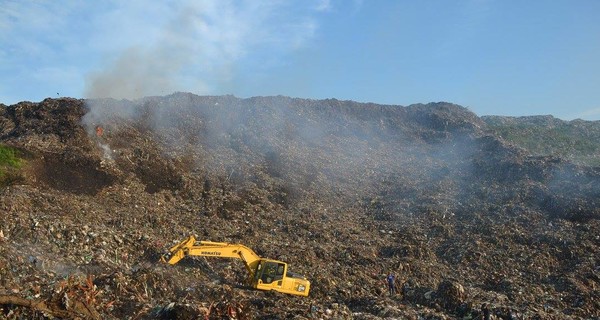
<point x="344" y="192"/>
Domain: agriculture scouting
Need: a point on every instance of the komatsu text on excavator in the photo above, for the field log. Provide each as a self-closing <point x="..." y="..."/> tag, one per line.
<point x="263" y="274"/>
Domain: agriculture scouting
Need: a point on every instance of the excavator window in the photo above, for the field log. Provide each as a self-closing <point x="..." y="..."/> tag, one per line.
<point x="271" y="271"/>
<point x="258" y="271"/>
<point x="280" y="270"/>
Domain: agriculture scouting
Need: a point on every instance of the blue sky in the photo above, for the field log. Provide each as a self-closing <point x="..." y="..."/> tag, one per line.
<point x="495" y="57"/>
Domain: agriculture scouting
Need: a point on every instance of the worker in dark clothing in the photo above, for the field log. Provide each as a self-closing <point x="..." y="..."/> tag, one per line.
<point x="405" y="289"/>
<point x="391" y="281"/>
<point x="486" y="311"/>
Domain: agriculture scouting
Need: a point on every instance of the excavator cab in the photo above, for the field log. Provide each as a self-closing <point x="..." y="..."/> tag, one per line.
<point x="268" y="271"/>
<point x="273" y="275"/>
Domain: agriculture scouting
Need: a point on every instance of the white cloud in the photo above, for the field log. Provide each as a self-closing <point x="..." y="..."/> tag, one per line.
<point x="24" y="22"/>
<point x="323" y="5"/>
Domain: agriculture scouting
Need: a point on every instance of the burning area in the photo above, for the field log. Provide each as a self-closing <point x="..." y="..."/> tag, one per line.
<point x="344" y="192"/>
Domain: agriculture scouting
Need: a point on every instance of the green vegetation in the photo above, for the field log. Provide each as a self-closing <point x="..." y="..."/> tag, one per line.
<point x="9" y="157"/>
<point x="10" y="163"/>
<point x="578" y="141"/>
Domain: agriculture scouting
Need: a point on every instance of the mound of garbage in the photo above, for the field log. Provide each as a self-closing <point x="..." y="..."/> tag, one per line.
<point x="344" y="192"/>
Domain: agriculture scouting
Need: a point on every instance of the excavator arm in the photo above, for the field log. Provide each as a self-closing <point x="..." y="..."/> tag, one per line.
<point x="192" y="247"/>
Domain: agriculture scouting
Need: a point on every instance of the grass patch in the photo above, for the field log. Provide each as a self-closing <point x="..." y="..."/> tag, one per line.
<point x="10" y="163"/>
<point x="10" y="157"/>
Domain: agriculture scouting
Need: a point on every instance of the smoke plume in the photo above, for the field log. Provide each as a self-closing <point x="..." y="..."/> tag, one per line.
<point x="195" y="46"/>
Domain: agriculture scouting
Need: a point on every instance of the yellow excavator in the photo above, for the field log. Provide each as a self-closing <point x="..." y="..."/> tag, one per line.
<point x="263" y="274"/>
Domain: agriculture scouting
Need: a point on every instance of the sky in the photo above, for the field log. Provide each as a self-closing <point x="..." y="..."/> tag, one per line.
<point x="495" y="57"/>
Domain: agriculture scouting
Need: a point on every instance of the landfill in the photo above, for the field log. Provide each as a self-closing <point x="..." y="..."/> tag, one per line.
<point x="345" y="192"/>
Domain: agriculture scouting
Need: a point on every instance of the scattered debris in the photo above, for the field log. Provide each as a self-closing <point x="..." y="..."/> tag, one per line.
<point x="344" y="192"/>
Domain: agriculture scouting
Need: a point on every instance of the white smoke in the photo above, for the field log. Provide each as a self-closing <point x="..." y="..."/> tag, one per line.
<point x="194" y="46"/>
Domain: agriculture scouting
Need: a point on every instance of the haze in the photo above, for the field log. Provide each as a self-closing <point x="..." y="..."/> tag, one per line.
<point x="493" y="57"/>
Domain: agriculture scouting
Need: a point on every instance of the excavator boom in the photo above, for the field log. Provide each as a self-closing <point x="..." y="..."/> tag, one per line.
<point x="192" y="247"/>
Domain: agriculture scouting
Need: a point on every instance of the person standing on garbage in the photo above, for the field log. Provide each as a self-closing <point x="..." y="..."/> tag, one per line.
<point x="391" y="281"/>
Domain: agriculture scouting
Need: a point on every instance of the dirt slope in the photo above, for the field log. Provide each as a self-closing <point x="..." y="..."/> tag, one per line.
<point x="343" y="191"/>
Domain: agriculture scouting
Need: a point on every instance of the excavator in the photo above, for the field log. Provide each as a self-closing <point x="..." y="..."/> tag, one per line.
<point x="263" y="274"/>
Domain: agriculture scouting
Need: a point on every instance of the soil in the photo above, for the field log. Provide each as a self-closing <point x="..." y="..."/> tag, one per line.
<point x="345" y="192"/>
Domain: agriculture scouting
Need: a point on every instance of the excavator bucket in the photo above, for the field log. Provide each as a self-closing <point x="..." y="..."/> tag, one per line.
<point x="177" y="252"/>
